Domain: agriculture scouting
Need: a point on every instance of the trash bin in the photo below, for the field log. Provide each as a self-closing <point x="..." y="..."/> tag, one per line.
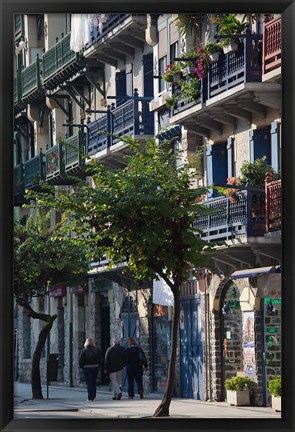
<point x="52" y="367"/>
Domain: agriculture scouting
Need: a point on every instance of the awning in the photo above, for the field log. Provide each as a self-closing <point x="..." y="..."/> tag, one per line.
<point x="253" y="272"/>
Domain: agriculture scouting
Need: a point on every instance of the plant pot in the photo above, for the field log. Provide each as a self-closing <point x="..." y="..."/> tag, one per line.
<point x="214" y="57"/>
<point x="276" y="403"/>
<point x="232" y="47"/>
<point x="188" y="70"/>
<point x="238" y="398"/>
<point x="176" y="77"/>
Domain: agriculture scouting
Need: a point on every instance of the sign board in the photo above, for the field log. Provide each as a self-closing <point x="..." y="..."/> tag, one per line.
<point x="58" y="291"/>
<point x="79" y="290"/>
<point x="269" y="285"/>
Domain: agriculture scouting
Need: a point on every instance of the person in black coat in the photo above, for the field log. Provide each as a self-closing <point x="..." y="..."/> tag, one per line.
<point x="89" y="361"/>
<point x="136" y="363"/>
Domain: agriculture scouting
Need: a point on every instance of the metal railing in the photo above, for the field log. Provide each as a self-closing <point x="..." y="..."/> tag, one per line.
<point x="54" y="162"/>
<point x="74" y="150"/>
<point x="57" y="57"/>
<point x="241" y="66"/>
<point x="273" y="205"/>
<point x="229" y="219"/>
<point x="34" y="171"/>
<point x="31" y="77"/>
<point x="272" y="45"/>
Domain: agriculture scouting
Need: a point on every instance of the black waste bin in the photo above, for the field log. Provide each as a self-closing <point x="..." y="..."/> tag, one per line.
<point x="52" y="367"/>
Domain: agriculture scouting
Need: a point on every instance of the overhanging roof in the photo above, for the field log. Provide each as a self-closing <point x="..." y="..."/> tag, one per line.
<point x="253" y="272"/>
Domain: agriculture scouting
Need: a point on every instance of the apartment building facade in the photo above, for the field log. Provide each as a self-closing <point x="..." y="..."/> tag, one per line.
<point x="112" y="82"/>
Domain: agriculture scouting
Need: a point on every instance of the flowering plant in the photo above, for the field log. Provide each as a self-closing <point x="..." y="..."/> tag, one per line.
<point x="231" y="192"/>
<point x="170" y="71"/>
<point x="202" y="61"/>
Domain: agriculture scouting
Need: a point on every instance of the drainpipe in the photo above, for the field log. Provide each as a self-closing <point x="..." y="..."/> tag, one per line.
<point x="207" y="321"/>
<point x="151" y="32"/>
<point x="206" y="345"/>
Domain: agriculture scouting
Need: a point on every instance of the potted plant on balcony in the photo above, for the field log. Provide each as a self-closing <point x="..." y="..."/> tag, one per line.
<point x="229" y="24"/>
<point x="201" y="63"/>
<point x="188" y="67"/>
<point x="172" y="72"/>
<point x="213" y="49"/>
<point x="171" y="101"/>
<point x="274" y="386"/>
<point x="238" y="390"/>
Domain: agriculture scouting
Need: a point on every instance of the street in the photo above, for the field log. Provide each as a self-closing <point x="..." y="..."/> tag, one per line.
<point x="66" y="402"/>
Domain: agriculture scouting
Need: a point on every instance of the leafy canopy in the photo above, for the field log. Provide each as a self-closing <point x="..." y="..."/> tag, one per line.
<point x="44" y="257"/>
<point x="141" y="214"/>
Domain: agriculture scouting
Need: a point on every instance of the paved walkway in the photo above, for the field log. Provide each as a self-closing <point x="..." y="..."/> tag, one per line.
<point x="66" y="402"/>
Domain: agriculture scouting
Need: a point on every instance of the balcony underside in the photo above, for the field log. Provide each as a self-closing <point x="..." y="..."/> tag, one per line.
<point x="224" y="260"/>
<point x="120" y="41"/>
<point x="115" y="155"/>
<point x="240" y="102"/>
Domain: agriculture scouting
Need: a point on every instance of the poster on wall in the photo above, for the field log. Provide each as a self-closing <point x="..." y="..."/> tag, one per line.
<point x="248" y="341"/>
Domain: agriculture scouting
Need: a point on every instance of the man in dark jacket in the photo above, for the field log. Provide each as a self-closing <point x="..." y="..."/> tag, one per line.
<point x="115" y="361"/>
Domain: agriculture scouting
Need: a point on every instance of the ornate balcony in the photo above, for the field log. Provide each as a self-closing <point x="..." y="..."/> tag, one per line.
<point x="121" y="34"/>
<point x="59" y="63"/>
<point x="54" y="165"/>
<point x="18" y="185"/>
<point x="273" y="206"/>
<point x="271" y="54"/>
<point x="31" y="82"/>
<point x="34" y="171"/>
<point x="228" y="220"/>
<point x="74" y="151"/>
<point x="132" y="118"/>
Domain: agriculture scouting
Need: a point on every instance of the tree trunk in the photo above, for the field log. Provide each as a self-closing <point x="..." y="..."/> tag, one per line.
<point x="163" y="408"/>
<point x="35" y="373"/>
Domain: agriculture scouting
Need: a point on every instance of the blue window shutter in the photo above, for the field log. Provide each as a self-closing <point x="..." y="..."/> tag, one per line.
<point x="251" y="137"/>
<point x="120" y="88"/>
<point x="230" y="156"/>
<point x="275" y="145"/>
<point x="209" y="158"/>
<point x="260" y="144"/>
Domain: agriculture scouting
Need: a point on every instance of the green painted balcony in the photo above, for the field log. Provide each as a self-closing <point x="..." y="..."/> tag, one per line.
<point x="274" y="206"/>
<point x="74" y="151"/>
<point x="31" y="81"/>
<point x="59" y="63"/>
<point x="54" y="165"/>
<point x="34" y="171"/>
<point x="18" y="185"/>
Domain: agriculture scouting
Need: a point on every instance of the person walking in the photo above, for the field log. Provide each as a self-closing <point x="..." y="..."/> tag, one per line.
<point x="136" y="363"/>
<point x="115" y="361"/>
<point x="89" y="361"/>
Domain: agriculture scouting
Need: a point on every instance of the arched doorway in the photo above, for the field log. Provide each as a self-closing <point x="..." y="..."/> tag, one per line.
<point x="230" y="333"/>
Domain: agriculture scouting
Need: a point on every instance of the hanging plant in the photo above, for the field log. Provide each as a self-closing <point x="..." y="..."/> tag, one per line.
<point x="171" y="71"/>
<point x="201" y="64"/>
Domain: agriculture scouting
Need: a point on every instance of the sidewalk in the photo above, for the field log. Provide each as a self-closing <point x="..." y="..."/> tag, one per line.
<point x="66" y="402"/>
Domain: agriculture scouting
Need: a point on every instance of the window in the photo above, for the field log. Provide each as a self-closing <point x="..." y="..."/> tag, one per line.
<point x="162" y="66"/>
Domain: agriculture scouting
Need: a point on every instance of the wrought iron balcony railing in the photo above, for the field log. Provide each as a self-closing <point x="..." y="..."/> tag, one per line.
<point x="74" y="150"/>
<point x="229" y="220"/>
<point x="34" y="171"/>
<point x="273" y="206"/>
<point x="31" y="78"/>
<point x="241" y="66"/>
<point x="58" y="57"/>
<point x="272" y="45"/>
<point x="54" y="164"/>
<point x="113" y="21"/>
<point x="127" y="119"/>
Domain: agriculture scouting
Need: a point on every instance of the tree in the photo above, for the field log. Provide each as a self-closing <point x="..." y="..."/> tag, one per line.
<point x="43" y="258"/>
<point x="143" y="215"/>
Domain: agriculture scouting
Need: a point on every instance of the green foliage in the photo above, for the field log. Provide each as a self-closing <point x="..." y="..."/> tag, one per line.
<point x="254" y="172"/>
<point x="274" y="385"/>
<point x="228" y="24"/>
<point x="238" y="383"/>
<point x="188" y="23"/>
<point x="171" y="101"/>
<point x="189" y="88"/>
<point x="142" y="214"/>
<point x="212" y="47"/>
<point x="44" y="257"/>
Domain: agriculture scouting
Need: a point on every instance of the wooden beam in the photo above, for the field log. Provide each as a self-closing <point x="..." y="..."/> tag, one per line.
<point x="132" y="41"/>
<point x="125" y="49"/>
<point x="237" y="112"/>
<point x="224" y="118"/>
<point x="114" y="54"/>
